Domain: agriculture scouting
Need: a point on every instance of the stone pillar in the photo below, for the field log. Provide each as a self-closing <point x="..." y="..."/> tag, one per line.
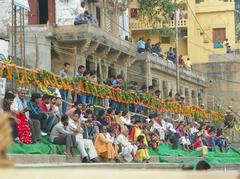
<point x="187" y="96"/>
<point x="105" y="71"/>
<point x="81" y="59"/>
<point x="194" y="97"/>
<point x="94" y="64"/>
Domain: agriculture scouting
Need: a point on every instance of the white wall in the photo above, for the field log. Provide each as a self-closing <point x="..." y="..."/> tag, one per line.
<point x="124" y="25"/>
<point x="5" y="16"/>
<point x="66" y="11"/>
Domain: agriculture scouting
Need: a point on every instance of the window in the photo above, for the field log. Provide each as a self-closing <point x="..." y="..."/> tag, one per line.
<point x="165" y="40"/>
<point x="134" y="12"/>
<point x="219" y="35"/>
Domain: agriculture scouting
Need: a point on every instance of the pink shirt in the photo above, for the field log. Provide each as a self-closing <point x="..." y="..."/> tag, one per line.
<point x="71" y="111"/>
<point x="43" y="106"/>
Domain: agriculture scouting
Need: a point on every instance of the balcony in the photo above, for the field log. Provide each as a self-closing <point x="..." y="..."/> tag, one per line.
<point x="210" y="6"/>
<point x="164" y="66"/>
<point x="140" y="25"/>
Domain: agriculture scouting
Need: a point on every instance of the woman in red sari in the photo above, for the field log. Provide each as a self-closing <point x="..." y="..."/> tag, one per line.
<point x="20" y="110"/>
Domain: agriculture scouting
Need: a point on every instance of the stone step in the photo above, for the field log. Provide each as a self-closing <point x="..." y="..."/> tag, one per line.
<point x="123" y="166"/>
<point x="37" y="158"/>
<point x="53" y="161"/>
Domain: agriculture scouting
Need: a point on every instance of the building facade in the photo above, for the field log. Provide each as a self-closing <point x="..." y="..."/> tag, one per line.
<point x="205" y="23"/>
<point x="52" y="39"/>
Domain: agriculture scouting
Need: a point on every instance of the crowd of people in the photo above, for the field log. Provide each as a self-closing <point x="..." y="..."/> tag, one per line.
<point x="155" y="49"/>
<point x="109" y="133"/>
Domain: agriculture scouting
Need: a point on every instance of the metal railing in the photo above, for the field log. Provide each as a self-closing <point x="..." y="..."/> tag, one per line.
<point x="141" y="25"/>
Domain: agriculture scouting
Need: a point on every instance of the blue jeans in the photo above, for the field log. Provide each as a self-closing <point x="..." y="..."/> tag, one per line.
<point x="90" y="99"/>
<point x="64" y="95"/>
<point x="84" y="99"/>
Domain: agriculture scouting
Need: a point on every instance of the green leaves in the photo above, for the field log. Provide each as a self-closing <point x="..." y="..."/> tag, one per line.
<point x="158" y="11"/>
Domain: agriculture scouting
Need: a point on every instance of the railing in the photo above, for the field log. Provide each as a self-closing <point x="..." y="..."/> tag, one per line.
<point x="202" y="1"/>
<point x="171" y="68"/>
<point x="140" y="25"/>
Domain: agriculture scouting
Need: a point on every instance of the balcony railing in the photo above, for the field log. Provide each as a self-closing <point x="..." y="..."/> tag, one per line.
<point x="170" y="68"/>
<point x="140" y="25"/>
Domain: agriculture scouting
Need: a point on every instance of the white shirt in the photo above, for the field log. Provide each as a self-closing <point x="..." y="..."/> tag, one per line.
<point x="125" y="120"/>
<point x="81" y="10"/>
<point x="121" y="139"/>
<point x="194" y="130"/>
<point x="72" y="126"/>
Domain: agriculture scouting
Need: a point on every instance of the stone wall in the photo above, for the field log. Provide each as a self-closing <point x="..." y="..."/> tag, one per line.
<point x="223" y="81"/>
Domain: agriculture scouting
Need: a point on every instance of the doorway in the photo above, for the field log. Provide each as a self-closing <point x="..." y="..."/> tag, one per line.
<point x="43" y="11"/>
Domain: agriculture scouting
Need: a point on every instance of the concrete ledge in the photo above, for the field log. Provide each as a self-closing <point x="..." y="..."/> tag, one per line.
<point x="56" y="161"/>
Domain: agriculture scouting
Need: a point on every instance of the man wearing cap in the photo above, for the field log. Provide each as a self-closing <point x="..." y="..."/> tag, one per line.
<point x="20" y="106"/>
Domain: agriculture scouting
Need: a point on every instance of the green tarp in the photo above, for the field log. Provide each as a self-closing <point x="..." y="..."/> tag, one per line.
<point x="230" y="157"/>
<point x="46" y="147"/>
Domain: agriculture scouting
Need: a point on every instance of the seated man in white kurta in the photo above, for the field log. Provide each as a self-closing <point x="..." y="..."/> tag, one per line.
<point x="128" y="151"/>
<point x="83" y="145"/>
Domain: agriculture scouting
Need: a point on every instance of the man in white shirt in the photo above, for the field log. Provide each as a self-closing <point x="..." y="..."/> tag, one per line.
<point x="83" y="145"/>
<point x="82" y="8"/>
<point x="128" y="151"/>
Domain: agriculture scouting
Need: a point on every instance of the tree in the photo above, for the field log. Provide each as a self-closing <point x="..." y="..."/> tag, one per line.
<point x="156" y="11"/>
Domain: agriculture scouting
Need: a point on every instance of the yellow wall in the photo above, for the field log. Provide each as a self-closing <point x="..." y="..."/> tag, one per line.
<point x="210" y="14"/>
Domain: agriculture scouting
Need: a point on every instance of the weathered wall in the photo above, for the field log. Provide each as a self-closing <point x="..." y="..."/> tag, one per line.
<point x="224" y="82"/>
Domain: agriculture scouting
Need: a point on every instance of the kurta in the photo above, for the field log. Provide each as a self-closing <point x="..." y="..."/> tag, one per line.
<point x="105" y="148"/>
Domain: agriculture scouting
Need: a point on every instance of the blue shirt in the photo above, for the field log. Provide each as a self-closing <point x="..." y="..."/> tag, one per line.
<point x="34" y="109"/>
<point x="63" y="74"/>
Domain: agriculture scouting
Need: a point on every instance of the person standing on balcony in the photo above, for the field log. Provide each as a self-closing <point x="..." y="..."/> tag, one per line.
<point x="64" y="73"/>
<point x="188" y="64"/>
<point x="171" y="55"/>
<point x="228" y="46"/>
<point x="82" y="8"/>
<point x="181" y="61"/>
<point x="148" y="45"/>
<point x="141" y="45"/>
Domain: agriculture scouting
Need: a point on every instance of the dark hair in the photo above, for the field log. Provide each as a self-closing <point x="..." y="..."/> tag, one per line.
<point x="202" y="165"/>
<point x="64" y="118"/>
<point x="76" y="103"/>
<point x="109" y="110"/>
<point x="119" y="77"/>
<point x="89" y="111"/>
<point x="35" y="96"/>
<point x="110" y="129"/>
<point x="93" y="72"/>
<point x="124" y="113"/>
<point x="86" y="73"/>
<point x="80" y="66"/>
<point x="117" y="112"/>
<point x="101" y="112"/>
<point x="78" y="111"/>
<point x="66" y="64"/>
<point x="46" y="96"/>
<point x="140" y="138"/>
<point x="9" y="95"/>
<point x="144" y="87"/>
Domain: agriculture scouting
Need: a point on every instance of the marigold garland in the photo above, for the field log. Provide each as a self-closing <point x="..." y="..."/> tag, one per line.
<point x="79" y="85"/>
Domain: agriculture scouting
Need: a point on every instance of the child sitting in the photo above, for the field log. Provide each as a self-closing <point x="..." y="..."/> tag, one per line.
<point x="142" y="151"/>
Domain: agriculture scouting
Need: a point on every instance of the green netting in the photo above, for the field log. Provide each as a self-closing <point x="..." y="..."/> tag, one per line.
<point x="46" y="147"/>
<point x="230" y="157"/>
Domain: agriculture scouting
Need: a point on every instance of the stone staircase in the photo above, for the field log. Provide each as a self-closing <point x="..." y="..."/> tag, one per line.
<point x="56" y="161"/>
